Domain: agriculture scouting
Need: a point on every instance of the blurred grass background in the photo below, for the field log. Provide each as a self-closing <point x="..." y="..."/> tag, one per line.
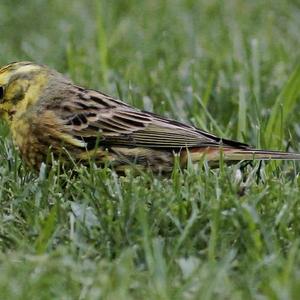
<point x="231" y="67"/>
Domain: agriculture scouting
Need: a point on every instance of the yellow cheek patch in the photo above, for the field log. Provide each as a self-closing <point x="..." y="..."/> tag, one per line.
<point x="17" y="92"/>
<point x="32" y="95"/>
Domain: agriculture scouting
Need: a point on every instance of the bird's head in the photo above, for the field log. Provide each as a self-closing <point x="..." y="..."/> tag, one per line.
<point x="21" y="85"/>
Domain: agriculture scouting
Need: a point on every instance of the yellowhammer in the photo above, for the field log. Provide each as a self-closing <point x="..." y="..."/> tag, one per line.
<point x="47" y="112"/>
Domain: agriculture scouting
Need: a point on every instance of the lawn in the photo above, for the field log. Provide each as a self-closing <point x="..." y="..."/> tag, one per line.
<point x="229" y="67"/>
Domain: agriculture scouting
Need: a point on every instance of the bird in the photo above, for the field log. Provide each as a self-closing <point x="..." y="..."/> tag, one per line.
<point x="48" y="114"/>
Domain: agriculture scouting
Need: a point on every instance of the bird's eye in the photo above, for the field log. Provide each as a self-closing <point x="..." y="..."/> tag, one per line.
<point x="1" y="93"/>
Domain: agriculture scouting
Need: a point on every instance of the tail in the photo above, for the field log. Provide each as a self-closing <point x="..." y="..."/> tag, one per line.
<point x="238" y="154"/>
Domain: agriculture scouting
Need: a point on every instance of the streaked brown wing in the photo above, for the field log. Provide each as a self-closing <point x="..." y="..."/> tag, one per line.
<point x="97" y="118"/>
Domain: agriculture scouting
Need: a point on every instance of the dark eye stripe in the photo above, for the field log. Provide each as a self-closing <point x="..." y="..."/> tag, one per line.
<point x="18" y="96"/>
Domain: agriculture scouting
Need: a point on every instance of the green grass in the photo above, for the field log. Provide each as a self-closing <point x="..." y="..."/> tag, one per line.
<point x="231" y="67"/>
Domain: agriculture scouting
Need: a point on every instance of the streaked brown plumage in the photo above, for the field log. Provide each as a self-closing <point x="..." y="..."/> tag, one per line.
<point x="48" y="113"/>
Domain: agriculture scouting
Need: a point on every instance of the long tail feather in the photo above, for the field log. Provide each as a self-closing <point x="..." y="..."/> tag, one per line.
<point x="260" y="155"/>
<point x="214" y="154"/>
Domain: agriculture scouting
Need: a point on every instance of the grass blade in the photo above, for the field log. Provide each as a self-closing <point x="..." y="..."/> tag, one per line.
<point x="284" y="105"/>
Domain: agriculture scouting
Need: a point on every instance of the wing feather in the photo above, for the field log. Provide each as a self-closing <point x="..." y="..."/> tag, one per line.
<point x="94" y="116"/>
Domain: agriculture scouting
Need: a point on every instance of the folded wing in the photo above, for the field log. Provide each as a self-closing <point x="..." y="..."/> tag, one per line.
<point x="98" y="119"/>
